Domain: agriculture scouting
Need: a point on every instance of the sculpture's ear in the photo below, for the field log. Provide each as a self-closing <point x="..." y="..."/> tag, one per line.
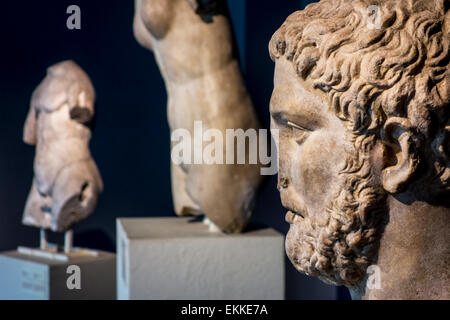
<point x="29" y="130"/>
<point x="402" y="156"/>
<point x="82" y="111"/>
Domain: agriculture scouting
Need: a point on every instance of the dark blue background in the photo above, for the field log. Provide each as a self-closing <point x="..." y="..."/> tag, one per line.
<point x="131" y="140"/>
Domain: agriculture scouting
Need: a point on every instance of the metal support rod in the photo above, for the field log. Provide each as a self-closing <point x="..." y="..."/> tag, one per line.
<point x="43" y="240"/>
<point x="68" y="241"/>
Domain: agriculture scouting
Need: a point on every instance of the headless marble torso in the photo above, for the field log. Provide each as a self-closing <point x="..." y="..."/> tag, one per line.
<point x="66" y="180"/>
<point x="204" y="83"/>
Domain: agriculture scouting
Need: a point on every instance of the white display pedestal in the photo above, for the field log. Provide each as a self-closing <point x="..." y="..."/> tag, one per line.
<point x="172" y="258"/>
<point x="30" y="277"/>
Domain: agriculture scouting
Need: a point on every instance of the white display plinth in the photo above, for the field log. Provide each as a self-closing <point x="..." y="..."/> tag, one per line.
<point x="31" y="277"/>
<point x="173" y="258"/>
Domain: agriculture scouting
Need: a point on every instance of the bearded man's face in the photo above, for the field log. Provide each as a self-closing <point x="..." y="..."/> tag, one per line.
<point x="329" y="183"/>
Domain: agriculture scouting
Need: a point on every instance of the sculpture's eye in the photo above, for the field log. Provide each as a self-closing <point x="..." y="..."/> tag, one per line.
<point x="298" y="132"/>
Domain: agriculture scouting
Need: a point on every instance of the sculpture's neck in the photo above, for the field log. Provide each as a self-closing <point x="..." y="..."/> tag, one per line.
<point x="414" y="254"/>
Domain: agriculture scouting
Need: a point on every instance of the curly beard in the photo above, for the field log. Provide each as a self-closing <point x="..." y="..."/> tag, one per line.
<point x="339" y="248"/>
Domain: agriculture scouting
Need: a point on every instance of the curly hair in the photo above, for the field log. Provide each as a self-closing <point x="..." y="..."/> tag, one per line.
<point x="398" y="69"/>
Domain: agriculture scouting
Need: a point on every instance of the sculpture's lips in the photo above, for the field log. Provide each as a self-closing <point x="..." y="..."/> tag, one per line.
<point x="293" y="217"/>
